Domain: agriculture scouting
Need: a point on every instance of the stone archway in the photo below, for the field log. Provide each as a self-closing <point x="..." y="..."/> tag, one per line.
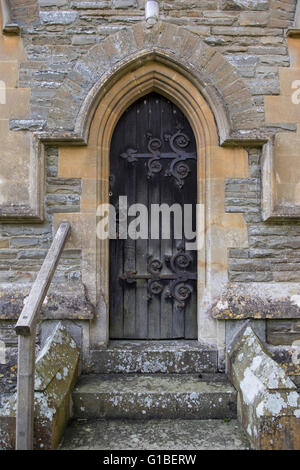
<point x="218" y="82"/>
<point x="91" y="163"/>
<point x="152" y="76"/>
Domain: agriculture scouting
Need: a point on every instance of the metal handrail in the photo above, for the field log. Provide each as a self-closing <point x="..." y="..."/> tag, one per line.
<point x="26" y="331"/>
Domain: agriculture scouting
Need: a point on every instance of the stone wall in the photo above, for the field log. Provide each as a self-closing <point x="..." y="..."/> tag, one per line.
<point x="58" y="35"/>
<point x="23" y="247"/>
<point x="273" y="251"/>
<point x="249" y="34"/>
<point x="283" y="332"/>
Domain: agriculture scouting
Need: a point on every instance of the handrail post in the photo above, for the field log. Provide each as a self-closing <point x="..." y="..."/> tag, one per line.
<point x="25" y="392"/>
<point x="26" y="329"/>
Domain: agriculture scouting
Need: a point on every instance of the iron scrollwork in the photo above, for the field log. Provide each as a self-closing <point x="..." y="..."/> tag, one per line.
<point x="179" y="288"/>
<point x="178" y="168"/>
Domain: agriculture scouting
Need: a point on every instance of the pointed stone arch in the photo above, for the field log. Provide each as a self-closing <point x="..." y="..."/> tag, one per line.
<point x="91" y="163"/>
<point x="214" y="77"/>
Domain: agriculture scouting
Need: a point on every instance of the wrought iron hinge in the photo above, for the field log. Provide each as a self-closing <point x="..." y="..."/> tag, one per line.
<point x="178" y="288"/>
<point x="178" y="168"/>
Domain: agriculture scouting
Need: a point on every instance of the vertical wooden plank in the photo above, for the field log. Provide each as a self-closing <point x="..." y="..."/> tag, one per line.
<point x="154" y="306"/>
<point x="167" y="196"/>
<point x="183" y="319"/>
<point x="129" y="137"/>
<point x="141" y="245"/>
<point x="189" y="196"/>
<point x="191" y="315"/>
<point x="178" y="313"/>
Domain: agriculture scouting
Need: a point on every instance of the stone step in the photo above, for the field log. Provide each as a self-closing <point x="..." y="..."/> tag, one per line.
<point x="148" y="357"/>
<point x="154" y="397"/>
<point x="155" y="435"/>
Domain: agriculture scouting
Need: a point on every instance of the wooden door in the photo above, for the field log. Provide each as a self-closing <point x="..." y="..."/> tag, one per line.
<point x="153" y="285"/>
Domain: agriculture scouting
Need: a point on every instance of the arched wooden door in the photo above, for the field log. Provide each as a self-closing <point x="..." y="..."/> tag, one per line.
<point x="153" y="282"/>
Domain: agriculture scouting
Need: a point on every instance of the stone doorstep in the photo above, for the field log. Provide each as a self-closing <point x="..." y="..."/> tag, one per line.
<point x="173" y="396"/>
<point x="155" y="435"/>
<point x="149" y="357"/>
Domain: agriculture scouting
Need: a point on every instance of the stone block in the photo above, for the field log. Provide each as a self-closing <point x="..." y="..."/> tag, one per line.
<point x="58" y="17"/>
<point x="77" y="162"/>
<point x="16" y="149"/>
<point x="52" y="3"/>
<point x="124" y="3"/>
<point x="269" y="403"/>
<point x="16" y="105"/>
<point x="56" y="373"/>
<point x="281" y="109"/>
<point x="154" y="357"/>
<point x="155" y="396"/>
<point x="75" y="330"/>
<point x="233" y="327"/>
<point x="9" y="71"/>
<point x="26" y="125"/>
<point x="57" y="359"/>
<point x="63" y="301"/>
<point x="8" y="358"/>
<point x="256" y="5"/>
<point x="289" y="358"/>
<point x="258" y="301"/>
<point x="283" y="332"/>
<point x="155" y="434"/>
<point x="251" y="18"/>
<point x="86" y="5"/>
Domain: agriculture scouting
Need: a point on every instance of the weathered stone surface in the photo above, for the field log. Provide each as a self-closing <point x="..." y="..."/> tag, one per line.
<point x="173" y="357"/>
<point x="62" y="302"/>
<point x="288" y="357"/>
<point x="248" y="18"/>
<point x="124" y="3"/>
<point x="77" y="330"/>
<point x="155" y="435"/>
<point x="56" y="372"/>
<point x="61" y="17"/>
<point x="283" y="332"/>
<point x="57" y="358"/>
<point x="269" y="404"/>
<point x="25" y="12"/>
<point x="26" y="125"/>
<point x="85" y="5"/>
<point x="258" y="5"/>
<point x="8" y="358"/>
<point x="258" y="300"/>
<point x="154" y="396"/>
<point x="68" y="303"/>
<point x="53" y="3"/>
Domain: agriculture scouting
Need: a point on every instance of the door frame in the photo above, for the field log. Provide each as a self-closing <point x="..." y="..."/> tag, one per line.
<point x="158" y="77"/>
<point x="89" y="160"/>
